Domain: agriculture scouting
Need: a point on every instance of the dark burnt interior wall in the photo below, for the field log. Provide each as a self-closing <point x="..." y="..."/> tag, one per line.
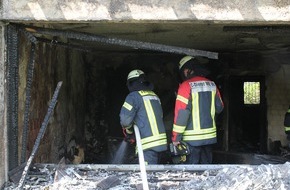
<point x="52" y="64"/>
<point x="106" y="92"/>
<point x="106" y="84"/>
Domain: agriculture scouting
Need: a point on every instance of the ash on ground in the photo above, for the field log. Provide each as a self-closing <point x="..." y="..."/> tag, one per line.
<point x="241" y="177"/>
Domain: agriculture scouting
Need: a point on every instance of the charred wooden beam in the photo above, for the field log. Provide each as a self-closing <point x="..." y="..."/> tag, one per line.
<point x="27" y="101"/>
<point x="12" y="86"/>
<point x="121" y="42"/>
<point x="40" y="134"/>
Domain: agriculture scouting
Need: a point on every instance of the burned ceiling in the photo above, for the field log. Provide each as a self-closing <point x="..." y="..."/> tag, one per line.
<point x="269" y="41"/>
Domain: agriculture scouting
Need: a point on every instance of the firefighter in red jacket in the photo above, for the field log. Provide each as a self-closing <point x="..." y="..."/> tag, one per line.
<point x="197" y="102"/>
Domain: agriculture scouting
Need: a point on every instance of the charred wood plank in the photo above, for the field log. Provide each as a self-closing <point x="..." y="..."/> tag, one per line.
<point x="40" y="134"/>
<point x="27" y="102"/>
<point x="15" y="174"/>
<point x="109" y="182"/>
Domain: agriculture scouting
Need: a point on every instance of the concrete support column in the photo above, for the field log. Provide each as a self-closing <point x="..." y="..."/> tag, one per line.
<point x="3" y="109"/>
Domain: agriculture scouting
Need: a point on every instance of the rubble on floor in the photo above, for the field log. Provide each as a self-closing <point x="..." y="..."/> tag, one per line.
<point x="239" y="177"/>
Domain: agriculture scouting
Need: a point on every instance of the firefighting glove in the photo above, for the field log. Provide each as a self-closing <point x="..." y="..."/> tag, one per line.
<point x="129" y="135"/>
<point x="129" y="130"/>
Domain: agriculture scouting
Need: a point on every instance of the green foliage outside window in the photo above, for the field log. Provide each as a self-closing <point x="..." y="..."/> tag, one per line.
<point x="251" y="92"/>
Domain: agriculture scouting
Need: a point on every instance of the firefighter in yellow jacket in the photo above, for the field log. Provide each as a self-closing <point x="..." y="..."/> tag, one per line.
<point x="198" y="100"/>
<point x="143" y="108"/>
<point x="287" y="123"/>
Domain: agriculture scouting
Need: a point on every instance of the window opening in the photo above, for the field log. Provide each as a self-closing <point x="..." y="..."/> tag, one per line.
<point x="251" y="93"/>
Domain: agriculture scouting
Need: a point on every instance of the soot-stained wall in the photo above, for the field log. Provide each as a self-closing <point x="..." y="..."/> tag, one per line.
<point x="90" y="99"/>
<point x="52" y="64"/>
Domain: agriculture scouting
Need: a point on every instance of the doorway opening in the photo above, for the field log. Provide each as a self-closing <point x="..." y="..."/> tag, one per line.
<point x="247" y="114"/>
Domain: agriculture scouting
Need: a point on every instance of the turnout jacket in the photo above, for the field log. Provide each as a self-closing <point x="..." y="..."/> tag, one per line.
<point x="143" y="108"/>
<point x="197" y="102"/>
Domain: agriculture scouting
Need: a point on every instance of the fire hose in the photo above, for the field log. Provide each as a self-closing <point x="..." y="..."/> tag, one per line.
<point x="141" y="159"/>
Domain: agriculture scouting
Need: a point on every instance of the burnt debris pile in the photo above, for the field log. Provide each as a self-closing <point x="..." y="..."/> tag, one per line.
<point x="43" y="176"/>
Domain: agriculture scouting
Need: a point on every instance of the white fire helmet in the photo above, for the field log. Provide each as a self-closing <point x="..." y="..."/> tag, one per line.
<point x="135" y="74"/>
<point x="184" y="60"/>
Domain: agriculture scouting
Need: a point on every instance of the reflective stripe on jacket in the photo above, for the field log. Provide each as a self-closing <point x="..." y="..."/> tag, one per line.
<point x="144" y="109"/>
<point x="197" y="102"/>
